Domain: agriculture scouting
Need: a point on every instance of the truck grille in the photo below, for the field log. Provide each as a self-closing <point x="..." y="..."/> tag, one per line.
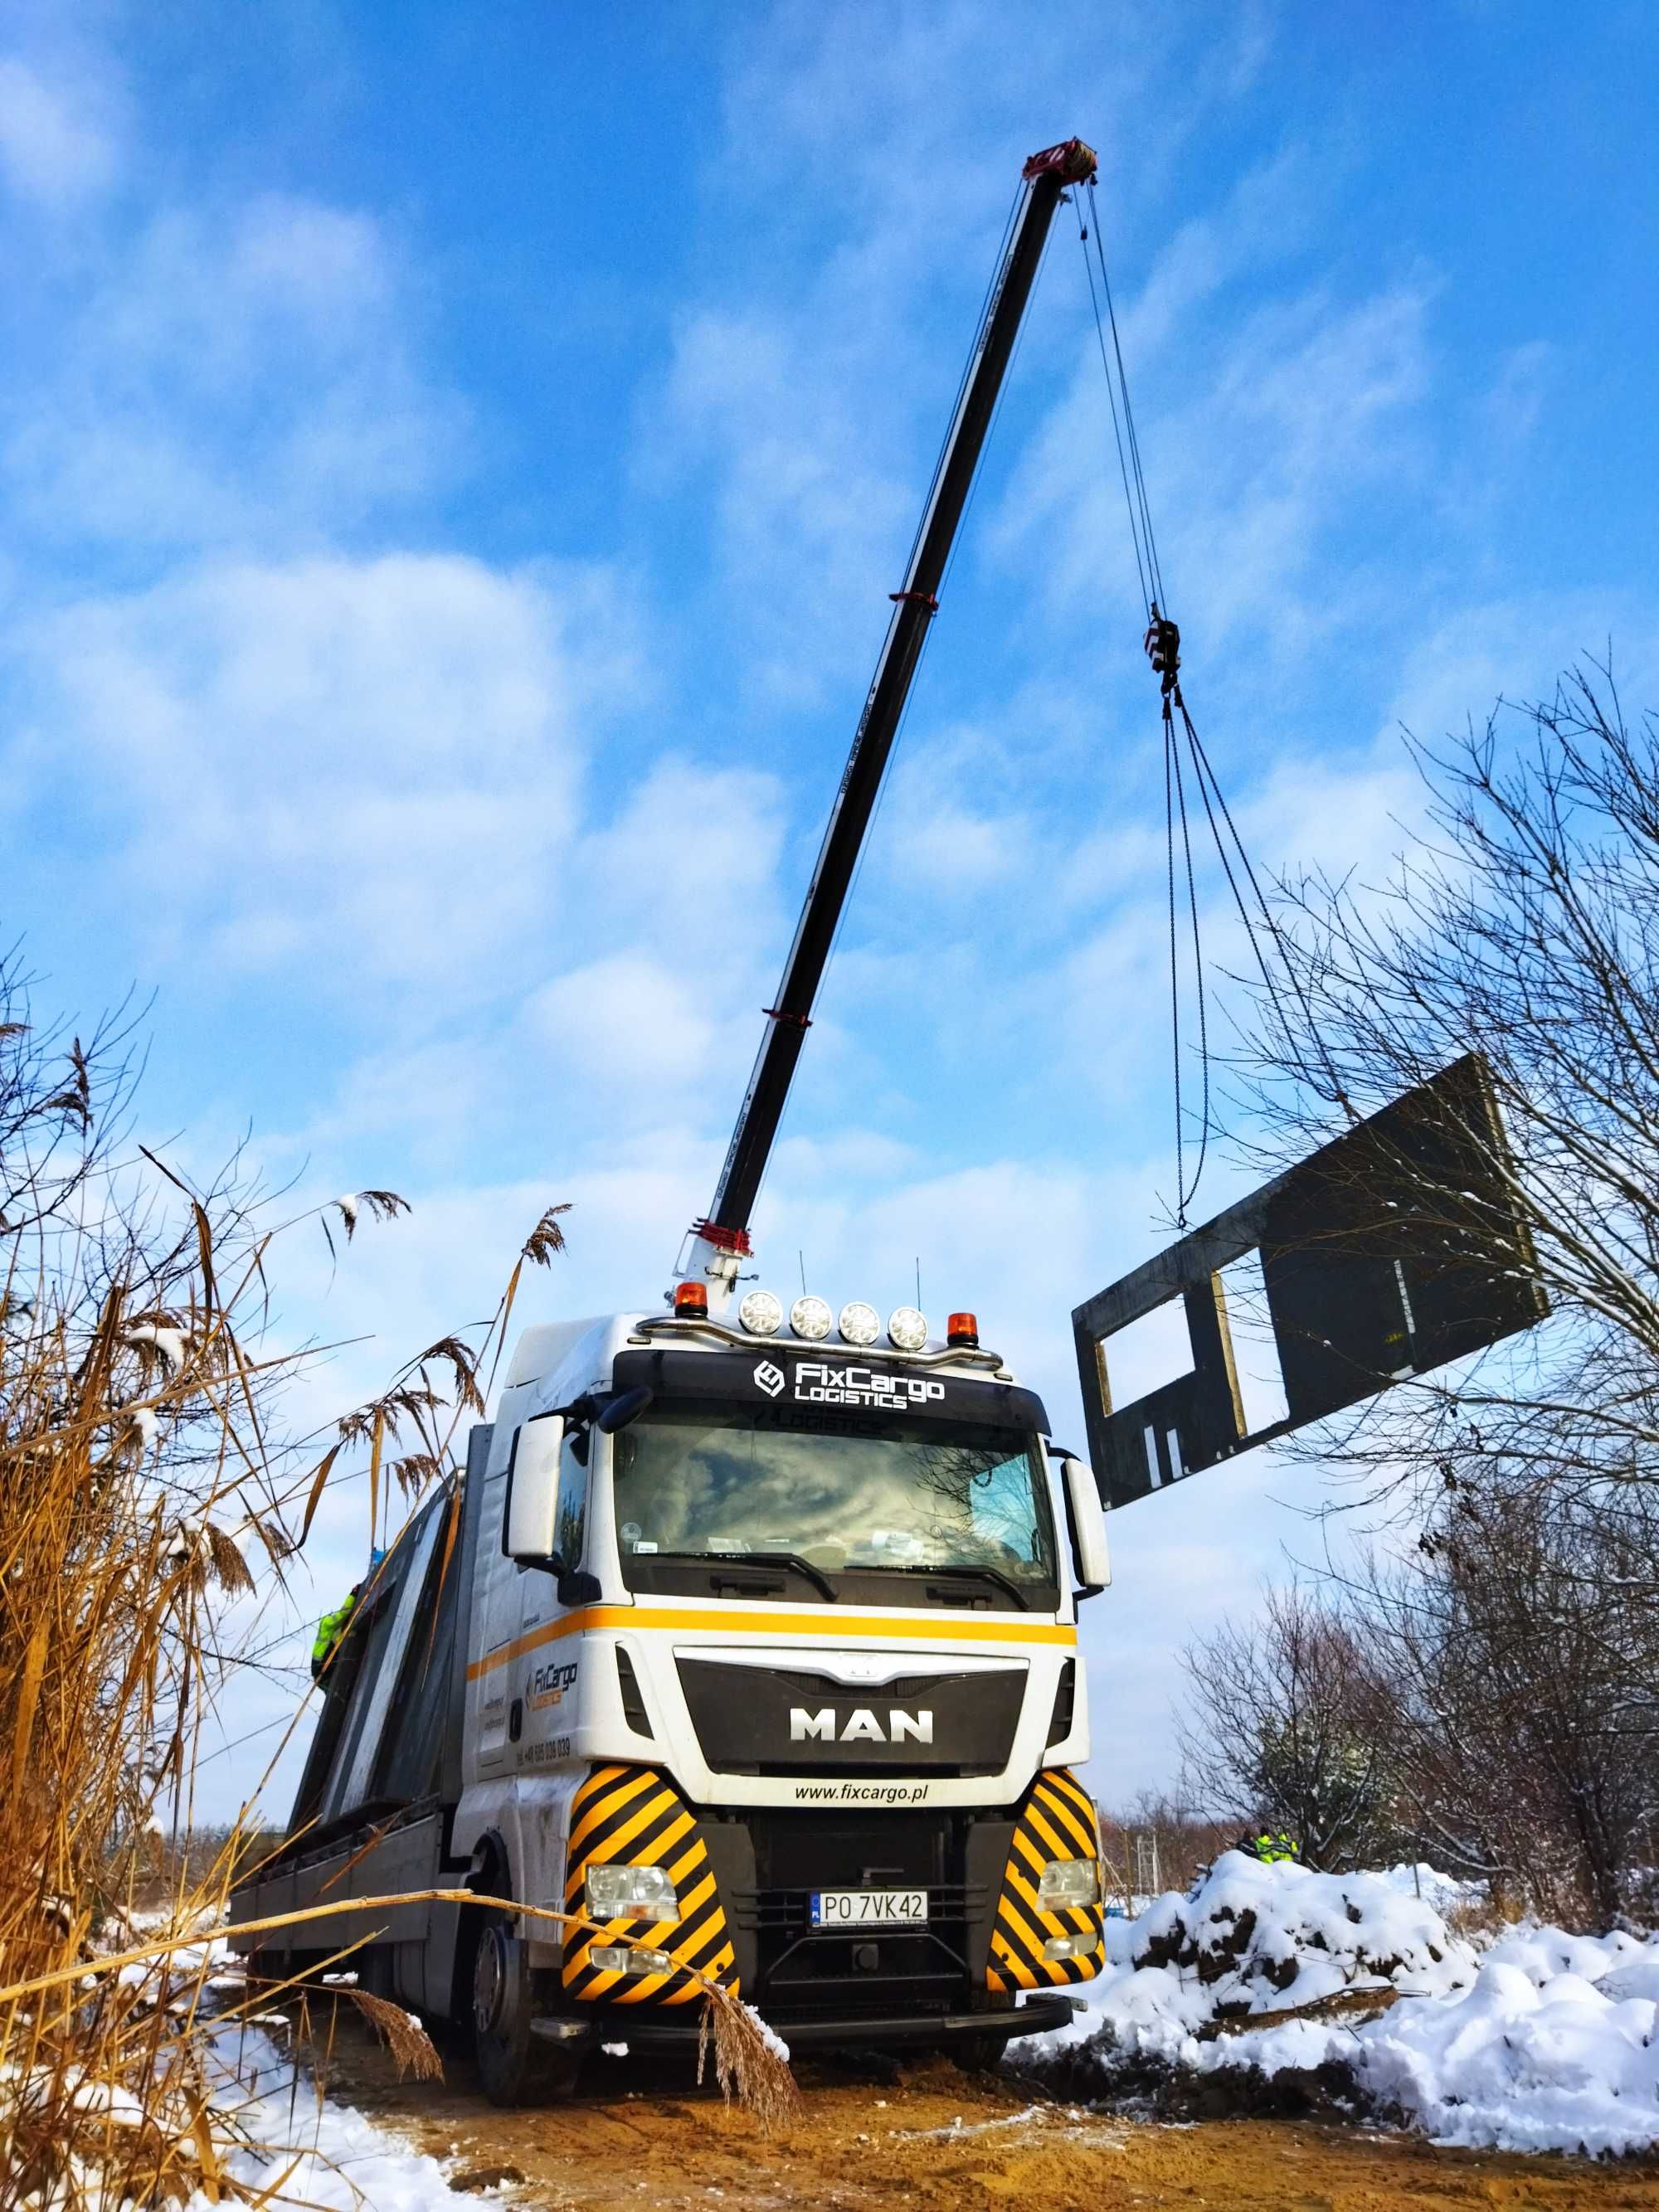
<point x="806" y="1969"/>
<point x="778" y="1721"/>
<point x="802" y="1972"/>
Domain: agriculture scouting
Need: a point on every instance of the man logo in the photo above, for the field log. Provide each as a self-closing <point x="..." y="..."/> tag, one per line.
<point x="860" y="1727"/>
<point x="770" y="1377"/>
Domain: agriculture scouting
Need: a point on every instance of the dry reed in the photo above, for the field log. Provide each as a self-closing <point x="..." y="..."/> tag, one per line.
<point x="141" y="1498"/>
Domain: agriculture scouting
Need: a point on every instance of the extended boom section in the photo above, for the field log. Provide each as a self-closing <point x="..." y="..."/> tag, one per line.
<point x="724" y="1235"/>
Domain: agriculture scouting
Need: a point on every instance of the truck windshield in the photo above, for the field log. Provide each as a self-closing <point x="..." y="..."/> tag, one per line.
<point x="814" y="1504"/>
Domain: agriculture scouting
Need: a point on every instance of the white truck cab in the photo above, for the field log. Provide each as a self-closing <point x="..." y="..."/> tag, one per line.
<point x="763" y="1666"/>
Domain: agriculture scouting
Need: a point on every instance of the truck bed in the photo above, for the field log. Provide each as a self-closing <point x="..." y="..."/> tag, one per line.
<point x="382" y="1778"/>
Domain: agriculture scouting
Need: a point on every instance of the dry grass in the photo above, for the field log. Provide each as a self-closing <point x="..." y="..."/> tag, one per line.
<point x="141" y="1501"/>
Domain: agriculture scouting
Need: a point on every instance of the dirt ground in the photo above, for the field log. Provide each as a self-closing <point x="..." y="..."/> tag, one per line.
<point x="641" y="2133"/>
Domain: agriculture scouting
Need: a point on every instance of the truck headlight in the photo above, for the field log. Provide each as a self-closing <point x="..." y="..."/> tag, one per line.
<point x="1064" y="1882"/>
<point x="630" y="1893"/>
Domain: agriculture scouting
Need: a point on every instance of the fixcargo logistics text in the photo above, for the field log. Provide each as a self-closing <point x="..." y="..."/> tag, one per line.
<point x="860" y="1792"/>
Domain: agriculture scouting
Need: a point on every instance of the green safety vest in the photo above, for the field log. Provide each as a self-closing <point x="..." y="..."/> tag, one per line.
<point x="329" y="1629"/>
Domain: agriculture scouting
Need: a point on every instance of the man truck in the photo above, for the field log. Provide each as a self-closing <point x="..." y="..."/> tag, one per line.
<point x="747" y="1634"/>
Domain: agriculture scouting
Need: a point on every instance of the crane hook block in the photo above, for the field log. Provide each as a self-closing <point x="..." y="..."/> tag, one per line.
<point x="1071" y="161"/>
<point x="1162" y="647"/>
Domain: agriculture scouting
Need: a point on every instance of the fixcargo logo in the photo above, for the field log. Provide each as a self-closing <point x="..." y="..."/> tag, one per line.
<point x="819" y="1382"/>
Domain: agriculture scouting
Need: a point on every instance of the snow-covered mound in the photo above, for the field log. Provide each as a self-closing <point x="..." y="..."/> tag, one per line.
<point x="1543" y="2041"/>
<point x="1566" y="2060"/>
<point x="1256" y="1938"/>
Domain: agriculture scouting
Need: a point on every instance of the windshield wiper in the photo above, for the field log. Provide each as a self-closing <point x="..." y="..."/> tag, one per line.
<point x="984" y="1574"/>
<point x="794" y="1559"/>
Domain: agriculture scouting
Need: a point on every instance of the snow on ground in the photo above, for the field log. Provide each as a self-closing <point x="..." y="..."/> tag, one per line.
<point x="312" y="2150"/>
<point x="1542" y="2041"/>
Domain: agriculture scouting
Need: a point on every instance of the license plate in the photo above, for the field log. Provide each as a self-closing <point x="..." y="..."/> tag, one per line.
<point x="869" y="1908"/>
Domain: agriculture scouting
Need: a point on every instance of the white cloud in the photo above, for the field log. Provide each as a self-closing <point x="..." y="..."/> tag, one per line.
<point x="689" y="864"/>
<point x="227" y="372"/>
<point x="813" y="388"/>
<point x="1515" y="646"/>
<point x="953" y="822"/>
<point x="57" y="141"/>
<point x="357" y="771"/>
<point x="805" y="496"/>
<point x="627" y="1031"/>
<point x="1255" y="461"/>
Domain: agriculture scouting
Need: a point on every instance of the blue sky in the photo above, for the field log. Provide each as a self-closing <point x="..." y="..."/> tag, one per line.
<point x="453" y="464"/>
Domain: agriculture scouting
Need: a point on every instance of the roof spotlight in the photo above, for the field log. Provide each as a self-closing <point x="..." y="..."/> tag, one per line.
<point x="761" y="1314"/>
<point x="859" y="1323"/>
<point x="908" y="1329"/>
<point x="810" y="1317"/>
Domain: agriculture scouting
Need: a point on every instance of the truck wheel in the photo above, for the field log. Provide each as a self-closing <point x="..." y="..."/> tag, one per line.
<point x="514" y="2066"/>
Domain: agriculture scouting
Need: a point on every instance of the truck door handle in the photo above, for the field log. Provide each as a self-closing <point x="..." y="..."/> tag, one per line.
<point x="515" y="1719"/>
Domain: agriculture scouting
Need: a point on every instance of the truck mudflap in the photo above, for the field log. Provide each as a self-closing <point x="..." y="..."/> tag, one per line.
<point x="1056" y="1822"/>
<point x="634" y="1816"/>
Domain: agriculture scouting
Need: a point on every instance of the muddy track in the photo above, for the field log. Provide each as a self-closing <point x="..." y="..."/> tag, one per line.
<point x="927" y="2135"/>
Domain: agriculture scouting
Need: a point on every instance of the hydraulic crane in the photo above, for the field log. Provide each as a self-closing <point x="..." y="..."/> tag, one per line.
<point x="721" y="1240"/>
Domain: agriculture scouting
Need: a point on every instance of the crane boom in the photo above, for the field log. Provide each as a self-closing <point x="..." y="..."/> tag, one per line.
<point x="725" y="1229"/>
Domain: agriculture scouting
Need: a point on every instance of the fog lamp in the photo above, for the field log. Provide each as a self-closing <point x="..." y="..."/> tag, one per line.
<point x="617" y="1959"/>
<point x="1064" y="1882"/>
<point x="630" y="1893"/>
<point x="1058" y="1947"/>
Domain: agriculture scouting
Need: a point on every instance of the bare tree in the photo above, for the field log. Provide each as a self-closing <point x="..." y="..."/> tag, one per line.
<point x="1281" y="1730"/>
<point x="1525" y="924"/>
<point x="1161" y="1842"/>
<point x="1522" y="1730"/>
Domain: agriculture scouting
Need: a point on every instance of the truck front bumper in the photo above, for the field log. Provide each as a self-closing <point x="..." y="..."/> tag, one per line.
<point x="1038" y="2015"/>
<point x="743" y="1884"/>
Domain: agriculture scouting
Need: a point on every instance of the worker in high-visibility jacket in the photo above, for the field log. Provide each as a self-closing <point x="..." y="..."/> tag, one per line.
<point x="1271" y="1849"/>
<point x="329" y="1629"/>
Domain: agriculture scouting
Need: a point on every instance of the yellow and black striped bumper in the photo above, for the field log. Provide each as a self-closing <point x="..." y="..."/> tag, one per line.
<point x="634" y="1816"/>
<point x="1056" y="1821"/>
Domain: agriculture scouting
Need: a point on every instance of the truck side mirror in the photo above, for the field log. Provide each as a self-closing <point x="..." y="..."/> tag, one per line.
<point x="528" y="1518"/>
<point x="1094" y="1558"/>
<point x="627" y="1405"/>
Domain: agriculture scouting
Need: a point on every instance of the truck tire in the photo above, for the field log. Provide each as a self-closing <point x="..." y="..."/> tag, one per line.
<point x="515" y="2066"/>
